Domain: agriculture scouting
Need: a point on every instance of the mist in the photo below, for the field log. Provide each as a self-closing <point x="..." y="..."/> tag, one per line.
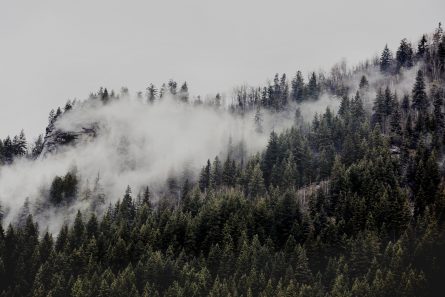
<point x="141" y="144"/>
<point x="136" y="144"/>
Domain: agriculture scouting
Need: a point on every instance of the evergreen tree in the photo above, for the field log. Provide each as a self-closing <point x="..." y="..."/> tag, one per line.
<point x="38" y="147"/>
<point x="404" y="55"/>
<point x="298" y="87"/>
<point x="19" y="144"/>
<point x="395" y="124"/>
<point x="184" y="93"/>
<point x="216" y="174"/>
<point x="146" y="197"/>
<point x="364" y="84"/>
<point x="271" y="157"/>
<point x="204" y="178"/>
<point x="289" y="179"/>
<point x="284" y="91"/>
<point x="255" y="185"/>
<point x="229" y="172"/>
<point x="343" y="111"/>
<point x="152" y="92"/>
<point x="357" y="109"/>
<point x="386" y="60"/>
<point x="422" y="47"/>
<point x="420" y="100"/>
<point x="380" y="109"/>
<point x="312" y="87"/>
<point x="405" y="104"/>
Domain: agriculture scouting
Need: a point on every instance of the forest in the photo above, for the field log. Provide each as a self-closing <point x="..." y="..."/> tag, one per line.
<point x="350" y="202"/>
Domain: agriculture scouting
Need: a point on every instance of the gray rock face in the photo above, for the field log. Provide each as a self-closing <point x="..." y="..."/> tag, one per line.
<point x="55" y="138"/>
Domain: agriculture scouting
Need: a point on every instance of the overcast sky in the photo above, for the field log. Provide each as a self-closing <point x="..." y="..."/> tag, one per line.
<point x="51" y="51"/>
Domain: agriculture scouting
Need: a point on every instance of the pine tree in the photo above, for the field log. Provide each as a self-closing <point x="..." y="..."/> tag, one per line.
<point x="204" y="178"/>
<point x="441" y="52"/>
<point x="290" y="178"/>
<point x="420" y="101"/>
<point x="38" y="147"/>
<point x="77" y="233"/>
<point x="284" y="91"/>
<point x="380" y="108"/>
<point x="357" y="109"/>
<point x="152" y="92"/>
<point x="105" y="97"/>
<point x="312" y="87"/>
<point x="422" y="47"/>
<point x="8" y="150"/>
<point x="127" y="208"/>
<point x="439" y="123"/>
<point x="19" y="144"/>
<point x="271" y="157"/>
<point x="343" y="111"/>
<point x="437" y="36"/>
<point x="184" y="93"/>
<point x="405" y="105"/>
<point x="56" y="191"/>
<point x="303" y="273"/>
<point x="395" y="124"/>
<point x="386" y="60"/>
<point x="146" y="197"/>
<point x="255" y="187"/>
<point x="229" y="172"/>
<point x="364" y="84"/>
<point x="216" y="174"/>
<point x="404" y="55"/>
<point x="51" y="116"/>
<point x="298" y="88"/>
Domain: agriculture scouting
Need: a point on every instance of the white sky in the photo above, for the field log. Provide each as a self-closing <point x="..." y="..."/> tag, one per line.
<point x="51" y="51"/>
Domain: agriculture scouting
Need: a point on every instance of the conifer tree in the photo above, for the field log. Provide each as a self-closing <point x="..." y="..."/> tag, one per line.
<point x="216" y="174"/>
<point x="420" y="101"/>
<point x="298" y="88"/>
<point x="184" y="93"/>
<point x="289" y="179"/>
<point x="395" y="124"/>
<point x="271" y="157"/>
<point x="312" y="87"/>
<point x="204" y="178"/>
<point x="386" y="60"/>
<point x="152" y="92"/>
<point x="422" y="47"/>
<point x="38" y="147"/>
<point x="364" y="84"/>
<point x="380" y="108"/>
<point x="343" y="111"/>
<point x="404" y="55"/>
<point x="146" y="197"/>
<point x="255" y="185"/>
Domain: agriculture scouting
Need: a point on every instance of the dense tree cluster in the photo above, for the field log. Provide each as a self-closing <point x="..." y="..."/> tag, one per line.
<point x="12" y="148"/>
<point x="352" y="204"/>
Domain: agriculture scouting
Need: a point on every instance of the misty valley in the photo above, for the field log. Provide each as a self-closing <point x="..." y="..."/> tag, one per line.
<point x="318" y="184"/>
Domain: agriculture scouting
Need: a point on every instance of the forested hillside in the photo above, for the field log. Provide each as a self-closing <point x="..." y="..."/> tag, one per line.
<point x="350" y="202"/>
